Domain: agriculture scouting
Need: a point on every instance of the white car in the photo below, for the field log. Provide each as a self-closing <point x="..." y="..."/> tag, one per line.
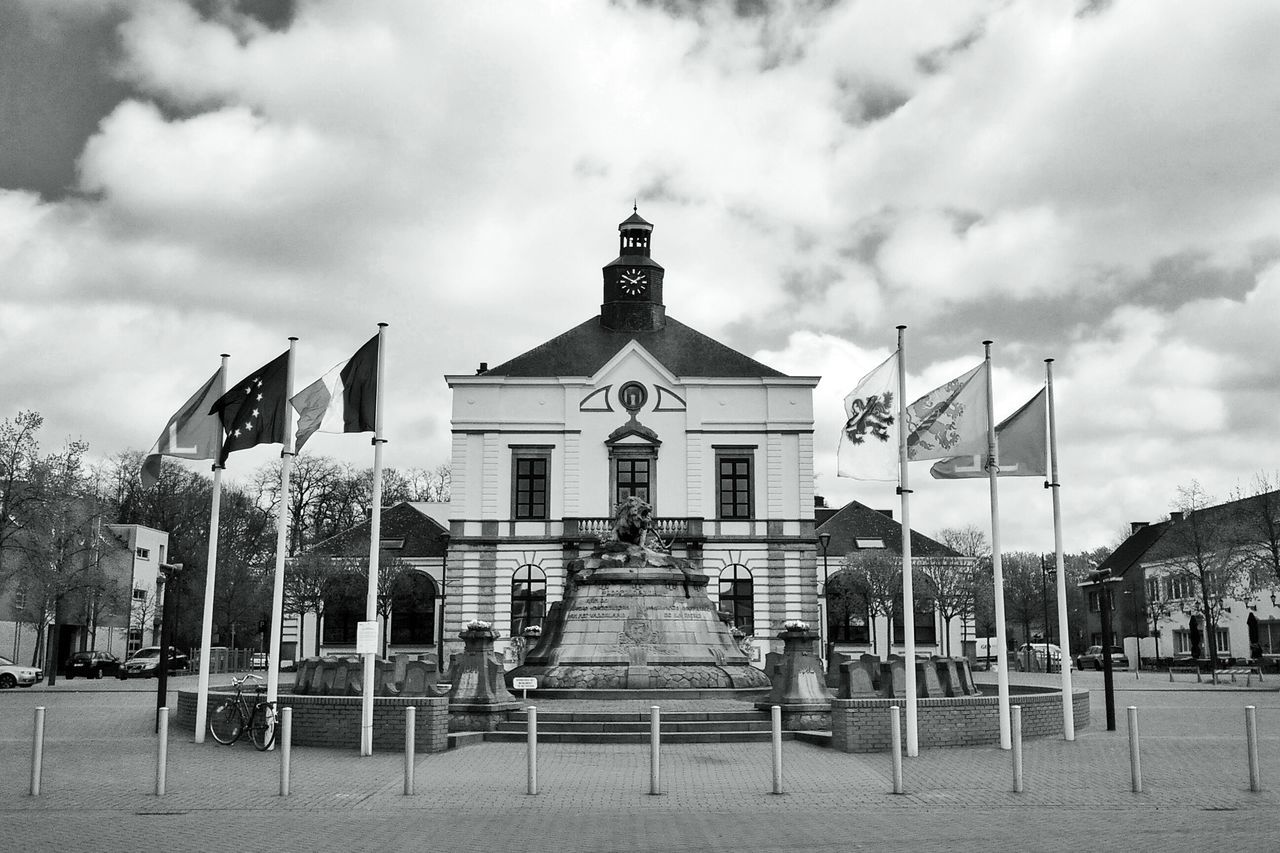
<point x="13" y="675"/>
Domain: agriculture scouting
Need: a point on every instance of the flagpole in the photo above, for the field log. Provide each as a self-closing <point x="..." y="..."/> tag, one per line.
<point x="375" y="543"/>
<point x="908" y="591"/>
<point x="282" y="535"/>
<point x="211" y="570"/>
<point x="1068" y="711"/>
<point x="997" y="570"/>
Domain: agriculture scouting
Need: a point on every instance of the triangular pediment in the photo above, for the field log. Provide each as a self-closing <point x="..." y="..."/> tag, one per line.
<point x="633" y="352"/>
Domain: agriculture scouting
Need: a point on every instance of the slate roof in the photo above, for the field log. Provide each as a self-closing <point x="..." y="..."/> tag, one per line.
<point x="1133" y="549"/>
<point x="587" y="347"/>
<point x="1234" y="524"/>
<point x="856" y="521"/>
<point x="423" y="536"/>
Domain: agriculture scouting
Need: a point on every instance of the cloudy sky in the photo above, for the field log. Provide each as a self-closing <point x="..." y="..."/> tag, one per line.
<point x="1094" y="182"/>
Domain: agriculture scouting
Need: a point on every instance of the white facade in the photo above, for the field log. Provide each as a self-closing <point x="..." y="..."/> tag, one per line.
<point x="587" y="427"/>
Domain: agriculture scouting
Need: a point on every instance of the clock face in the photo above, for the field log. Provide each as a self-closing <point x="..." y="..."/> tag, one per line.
<point x="633" y="281"/>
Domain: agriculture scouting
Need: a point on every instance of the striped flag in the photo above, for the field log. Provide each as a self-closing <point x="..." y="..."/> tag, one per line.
<point x="343" y="400"/>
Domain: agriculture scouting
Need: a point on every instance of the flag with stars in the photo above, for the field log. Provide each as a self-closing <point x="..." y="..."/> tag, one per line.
<point x="253" y="410"/>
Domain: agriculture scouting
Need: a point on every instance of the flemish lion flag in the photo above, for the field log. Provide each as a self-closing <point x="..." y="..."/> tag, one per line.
<point x="951" y="420"/>
<point x="1021" y="446"/>
<point x="192" y="433"/>
<point x="869" y="441"/>
<point x="343" y="400"/>
<point x="253" y="410"/>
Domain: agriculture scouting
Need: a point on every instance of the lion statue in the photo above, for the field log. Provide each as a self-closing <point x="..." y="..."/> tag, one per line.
<point x="633" y="524"/>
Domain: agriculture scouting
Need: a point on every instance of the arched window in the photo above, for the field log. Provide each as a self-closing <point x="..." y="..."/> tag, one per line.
<point x="344" y="606"/>
<point x="848" y="610"/>
<point x="528" y="598"/>
<point x="413" y="609"/>
<point x="736" y="596"/>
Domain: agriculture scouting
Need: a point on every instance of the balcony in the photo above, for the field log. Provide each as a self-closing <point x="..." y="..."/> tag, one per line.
<point x="670" y="529"/>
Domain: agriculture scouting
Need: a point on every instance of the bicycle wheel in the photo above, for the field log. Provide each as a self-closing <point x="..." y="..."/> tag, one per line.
<point x="226" y="724"/>
<point x="262" y="728"/>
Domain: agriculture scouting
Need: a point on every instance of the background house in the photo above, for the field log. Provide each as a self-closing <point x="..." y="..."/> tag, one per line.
<point x="863" y="577"/>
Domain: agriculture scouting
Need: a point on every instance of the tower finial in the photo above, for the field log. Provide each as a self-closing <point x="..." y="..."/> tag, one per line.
<point x="635" y="205"/>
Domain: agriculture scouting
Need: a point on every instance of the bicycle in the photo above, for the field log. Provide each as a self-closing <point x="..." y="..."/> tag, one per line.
<point x="232" y="716"/>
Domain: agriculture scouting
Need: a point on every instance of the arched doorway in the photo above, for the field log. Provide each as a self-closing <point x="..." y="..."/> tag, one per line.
<point x="413" y="610"/>
<point x="848" y="610"/>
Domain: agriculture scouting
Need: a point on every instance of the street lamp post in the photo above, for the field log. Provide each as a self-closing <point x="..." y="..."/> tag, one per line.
<point x="1101" y="580"/>
<point x="824" y="539"/>
<point x="169" y="580"/>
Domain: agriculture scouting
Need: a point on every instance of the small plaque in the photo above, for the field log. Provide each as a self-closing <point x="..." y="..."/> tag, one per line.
<point x="367" y="638"/>
<point x="524" y="683"/>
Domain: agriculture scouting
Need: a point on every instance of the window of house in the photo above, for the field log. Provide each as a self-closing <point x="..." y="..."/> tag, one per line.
<point x="528" y="598"/>
<point x="632" y="473"/>
<point x="1181" y="586"/>
<point x="869" y="543"/>
<point x="926" y="628"/>
<point x="737" y="592"/>
<point x="1095" y="601"/>
<point x="344" y="608"/>
<point x="1153" y="589"/>
<point x="20" y="598"/>
<point x="530" y="478"/>
<point x="1269" y="636"/>
<point x="734" y="471"/>
<point x="135" y="641"/>
<point x="1181" y="641"/>
<point x="413" y="609"/>
<point x="1224" y="642"/>
<point x="143" y="553"/>
<point x="139" y="594"/>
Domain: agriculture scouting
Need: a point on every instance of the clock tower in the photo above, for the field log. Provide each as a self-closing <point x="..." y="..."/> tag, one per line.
<point x="633" y="282"/>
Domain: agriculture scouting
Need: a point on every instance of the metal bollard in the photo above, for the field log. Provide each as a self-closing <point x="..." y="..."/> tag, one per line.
<point x="1135" y="759"/>
<point x="410" y="735"/>
<point x="1251" y="736"/>
<point x="895" y="746"/>
<point x="162" y="749"/>
<point x="37" y="752"/>
<point x="533" y="749"/>
<point x="655" y="739"/>
<point x="777" y="748"/>
<point x="286" y="748"/>
<point x="1015" y="722"/>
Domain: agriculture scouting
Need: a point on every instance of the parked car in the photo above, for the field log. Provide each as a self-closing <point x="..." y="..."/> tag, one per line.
<point x="13" y="675"/>
<point x="93" y="664"/>
<point x="1028" y="652"/>
<point x="1092" y="658"/>
<point x="144" y="663"/>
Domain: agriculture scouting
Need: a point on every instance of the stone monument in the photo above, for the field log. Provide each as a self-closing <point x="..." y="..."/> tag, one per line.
<point x="634" y="617"/>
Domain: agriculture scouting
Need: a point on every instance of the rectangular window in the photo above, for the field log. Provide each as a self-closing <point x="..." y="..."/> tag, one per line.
<point x="20" y="598"/>
<point x="530" y="480"/>
<point x="1224" y="642"/>
<point x="734" y="489"/>
<point x="1181" y="641"/>
<point x="633" y="476"/>
<point x="144" y="553"/>
<point x="139" y="594"/>
<point x="1095" y="602"/>
<point x="1181" y="586"/>
<point x="1153" y="589"/>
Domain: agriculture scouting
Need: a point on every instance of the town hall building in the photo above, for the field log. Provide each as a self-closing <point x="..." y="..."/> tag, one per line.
<point x="631" y="402"/>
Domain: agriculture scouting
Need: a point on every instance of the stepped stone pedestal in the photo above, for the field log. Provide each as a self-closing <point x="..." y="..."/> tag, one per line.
<point x="478" y="699"/>
<point x="635" y="618"/>
<point x="799" y="685"/>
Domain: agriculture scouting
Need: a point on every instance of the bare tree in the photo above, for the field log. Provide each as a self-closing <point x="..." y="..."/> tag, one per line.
<point x="1260" y="528"/>
<point x="951" y="585"/>
<point x="1205" y="549"/>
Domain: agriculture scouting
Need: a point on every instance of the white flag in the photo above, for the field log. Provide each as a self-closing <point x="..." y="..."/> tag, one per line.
<point x="869" y="440"/>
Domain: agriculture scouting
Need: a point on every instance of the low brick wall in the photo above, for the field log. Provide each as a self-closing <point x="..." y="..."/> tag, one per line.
<point x="335" y="720"/>
<point x="862" y="725"/>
